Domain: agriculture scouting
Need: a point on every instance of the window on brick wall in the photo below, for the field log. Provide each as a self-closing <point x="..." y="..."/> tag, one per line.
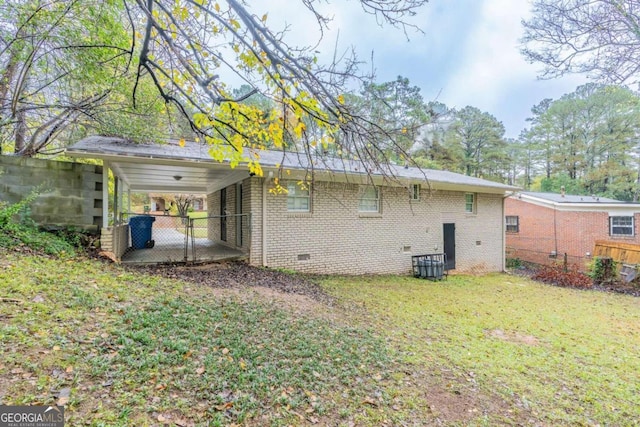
<point x="621" y="225"/>
<point x="298" y="197"/>
<point x="470" y="202"/>
<point x="369" y="199"/>
<point x="513" y="224"/>
<point x="415" y="192"/>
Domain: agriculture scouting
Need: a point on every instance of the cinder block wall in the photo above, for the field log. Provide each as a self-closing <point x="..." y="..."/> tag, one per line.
<point x="70" y="193"/>
<point x="335" y="238"/>
<point x="576" y="232"/>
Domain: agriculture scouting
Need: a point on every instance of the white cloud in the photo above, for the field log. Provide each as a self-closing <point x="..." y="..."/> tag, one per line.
<point x="492" y="61"/>
<point x="494" y="76"/>
<point x="469" y="54"/>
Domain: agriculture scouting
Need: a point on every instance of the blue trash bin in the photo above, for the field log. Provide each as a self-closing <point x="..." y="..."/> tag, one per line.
<point x="140" y="227"/>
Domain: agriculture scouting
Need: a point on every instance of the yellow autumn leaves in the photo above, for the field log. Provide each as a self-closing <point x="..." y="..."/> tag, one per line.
<point x="298" y="118"/>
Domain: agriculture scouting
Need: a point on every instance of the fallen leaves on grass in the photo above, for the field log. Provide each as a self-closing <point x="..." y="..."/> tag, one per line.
<point x="238" y="275"/>
<point x="557" y="276"/>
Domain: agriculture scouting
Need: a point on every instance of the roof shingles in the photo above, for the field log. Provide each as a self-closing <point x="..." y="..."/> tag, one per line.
<point x="101" y="146"/>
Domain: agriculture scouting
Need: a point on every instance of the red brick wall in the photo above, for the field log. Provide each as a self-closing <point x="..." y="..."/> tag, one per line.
<point x="575" y="232"/>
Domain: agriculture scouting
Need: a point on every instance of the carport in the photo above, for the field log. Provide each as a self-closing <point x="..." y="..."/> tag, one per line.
<point x="170" y="168"/>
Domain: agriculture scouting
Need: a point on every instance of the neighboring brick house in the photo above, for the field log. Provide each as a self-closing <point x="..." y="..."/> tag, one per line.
<point x="159" y="204"/>
<point x="540" y="226"/>
<point x="342" y="223"/>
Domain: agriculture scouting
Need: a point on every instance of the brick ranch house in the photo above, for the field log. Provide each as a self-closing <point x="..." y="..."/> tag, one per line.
<point x="341" y="224"/>
<point x="544" y="225"/>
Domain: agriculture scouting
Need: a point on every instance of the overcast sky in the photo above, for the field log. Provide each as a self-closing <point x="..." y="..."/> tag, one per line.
<point x="468" y="54"/>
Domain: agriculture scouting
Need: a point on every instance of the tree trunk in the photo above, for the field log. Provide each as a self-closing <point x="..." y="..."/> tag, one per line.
<point x="5" y="83"/>
<point x="20" y="132"/>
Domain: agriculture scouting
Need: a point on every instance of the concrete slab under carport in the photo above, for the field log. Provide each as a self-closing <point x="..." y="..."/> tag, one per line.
<point x="171" y="254"/>
<point x="170" y="248"/>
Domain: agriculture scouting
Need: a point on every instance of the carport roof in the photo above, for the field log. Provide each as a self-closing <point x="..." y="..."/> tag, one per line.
<point x="153" y="167"/>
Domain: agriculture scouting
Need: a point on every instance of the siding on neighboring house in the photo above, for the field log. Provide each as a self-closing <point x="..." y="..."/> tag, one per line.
<point x="544" y="229"/>
<point x="335" y="238"/>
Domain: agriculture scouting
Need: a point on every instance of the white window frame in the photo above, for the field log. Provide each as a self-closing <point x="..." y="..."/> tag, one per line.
<point x="298" y="197"/>
<point x="415" y="192"/>
<point x="516" y="224"/>
<point x="365" y="200"/>
<point x="474" y="201"/>
<point x="613" y="225"/>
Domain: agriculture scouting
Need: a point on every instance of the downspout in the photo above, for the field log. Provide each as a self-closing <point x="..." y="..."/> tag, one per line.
<point x="504" y="232"/>
<point x="265" y="190"/>
<point x="555" y="231"/>
<point x="105" y="194"/>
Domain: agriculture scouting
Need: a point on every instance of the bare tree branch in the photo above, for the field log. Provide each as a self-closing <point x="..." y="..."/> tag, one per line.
<point x="599" y="38"/>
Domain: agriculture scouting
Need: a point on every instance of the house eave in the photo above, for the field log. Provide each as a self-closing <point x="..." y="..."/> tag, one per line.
<point x="617" y="208"/>
<point x="116" y="152"/>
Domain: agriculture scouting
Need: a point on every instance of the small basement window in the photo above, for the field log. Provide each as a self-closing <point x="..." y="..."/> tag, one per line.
<point x="621" y="226"/>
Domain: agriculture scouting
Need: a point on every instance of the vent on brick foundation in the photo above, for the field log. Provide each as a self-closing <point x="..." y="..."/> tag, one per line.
<point x="478" y="243"/>
<point x="304" y="257"/>
<point x="406" y="249"/>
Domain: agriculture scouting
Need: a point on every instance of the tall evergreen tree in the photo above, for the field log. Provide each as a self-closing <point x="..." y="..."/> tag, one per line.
<point x="479" y="138"/>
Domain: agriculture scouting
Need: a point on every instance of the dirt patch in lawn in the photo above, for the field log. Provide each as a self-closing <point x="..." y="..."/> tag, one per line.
<point x="239" y="275"/>
<point x="447" y="397"/>
<point x="515" y="337"/>
<point x="297" y="293"/>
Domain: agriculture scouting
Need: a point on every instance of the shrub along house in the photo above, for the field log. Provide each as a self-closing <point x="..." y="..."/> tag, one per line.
<point x="344" y="222"/>
<point x="540" y="226"/>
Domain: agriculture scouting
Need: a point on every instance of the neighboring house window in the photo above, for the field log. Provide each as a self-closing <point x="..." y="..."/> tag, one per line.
<point x="470" y="202"/>
<point x="369" y="200"/>
<point x="621" y="225"/>
<point x="415" y="192"/>
<point x="513" y="224"/>
<point x="298" y="197"/>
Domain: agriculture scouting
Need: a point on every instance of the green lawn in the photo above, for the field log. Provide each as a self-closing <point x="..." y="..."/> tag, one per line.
<point x="121" y="348"/>
<point x="118" y="348"/>
<point x="196" y="215"/>
<point x="552" y="355"/>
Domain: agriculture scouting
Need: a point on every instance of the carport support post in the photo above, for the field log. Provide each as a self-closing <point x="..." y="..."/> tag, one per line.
<point x="105" y="194"/>
<point x="120" y="200"/>
<point x="116" y="199"/>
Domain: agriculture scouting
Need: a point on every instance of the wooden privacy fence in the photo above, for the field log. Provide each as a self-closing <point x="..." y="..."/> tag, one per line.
<point x="625" y="253"/>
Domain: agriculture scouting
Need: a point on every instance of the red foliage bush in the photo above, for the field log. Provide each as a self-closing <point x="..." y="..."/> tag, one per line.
<point x="557" y="276"/>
